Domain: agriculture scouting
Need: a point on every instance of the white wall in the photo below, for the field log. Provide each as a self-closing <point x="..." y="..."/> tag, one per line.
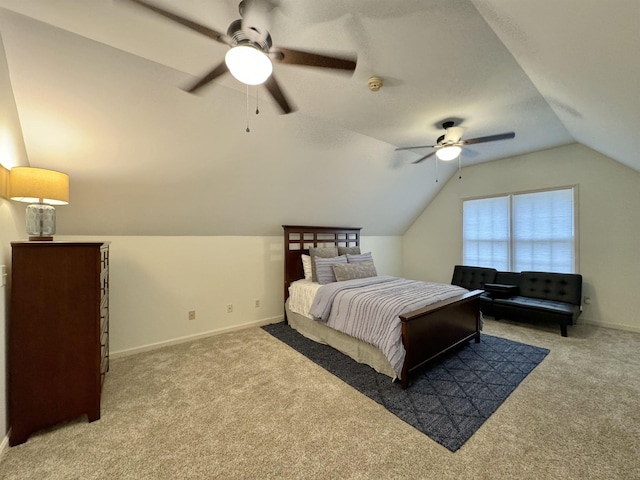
<point x="156" y="281"/>
<point x="609" y="224"/>
<point x="8" y="232"/>
<point x="12" y="153"/>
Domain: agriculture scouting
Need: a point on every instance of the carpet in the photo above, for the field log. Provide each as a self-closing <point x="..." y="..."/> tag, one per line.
<point x="450" y="399"/>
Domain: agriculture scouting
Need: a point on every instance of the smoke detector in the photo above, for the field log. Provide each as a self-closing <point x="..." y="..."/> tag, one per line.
<point x="375" y="83"/>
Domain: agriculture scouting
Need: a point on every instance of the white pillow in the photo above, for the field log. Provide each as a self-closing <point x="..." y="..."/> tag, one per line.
<point x="306" y="266"/>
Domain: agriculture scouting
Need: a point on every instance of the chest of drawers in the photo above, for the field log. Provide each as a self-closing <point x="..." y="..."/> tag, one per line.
<point x="58" y="338"/>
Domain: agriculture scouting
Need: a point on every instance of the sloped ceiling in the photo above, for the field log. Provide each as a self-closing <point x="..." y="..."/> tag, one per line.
<point x="97" y="83"/>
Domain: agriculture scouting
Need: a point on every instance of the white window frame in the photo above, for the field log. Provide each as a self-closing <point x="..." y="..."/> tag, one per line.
<point x="510" y="196"/>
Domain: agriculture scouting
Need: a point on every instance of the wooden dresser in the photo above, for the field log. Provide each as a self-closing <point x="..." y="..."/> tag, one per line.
<point x="58" y="333"/>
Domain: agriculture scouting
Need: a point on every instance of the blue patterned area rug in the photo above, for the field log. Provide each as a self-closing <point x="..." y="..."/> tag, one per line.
<point x="450" y="399"/>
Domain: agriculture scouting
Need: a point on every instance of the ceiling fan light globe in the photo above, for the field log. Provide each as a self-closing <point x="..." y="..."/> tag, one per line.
<point x="248" y="64"/>
<point x="448" y="153"/>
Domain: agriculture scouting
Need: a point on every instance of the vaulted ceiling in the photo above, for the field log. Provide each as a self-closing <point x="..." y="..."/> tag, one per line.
<point x="97" y="88"/>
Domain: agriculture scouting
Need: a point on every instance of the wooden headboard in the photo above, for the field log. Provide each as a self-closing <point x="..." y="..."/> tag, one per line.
<point x="298" y="239"/>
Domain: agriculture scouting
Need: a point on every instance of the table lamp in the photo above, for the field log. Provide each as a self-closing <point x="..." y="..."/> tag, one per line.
<point x="42" y="189"/>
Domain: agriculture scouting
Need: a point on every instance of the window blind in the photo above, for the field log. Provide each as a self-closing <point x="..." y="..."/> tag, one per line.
<point x="543" y="237"/>
<point x="527" y="231"/>
<point x="486" y="235"/>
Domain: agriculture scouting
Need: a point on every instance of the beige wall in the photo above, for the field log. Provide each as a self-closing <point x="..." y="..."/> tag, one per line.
<point x="156" y="281"/>
<point x="12" y="153"/>
<point x="609" y="224"/>
<point x="8" y="232"/>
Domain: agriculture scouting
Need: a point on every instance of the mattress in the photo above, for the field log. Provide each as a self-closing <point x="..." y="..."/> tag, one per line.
<point x="360" y="351"/>
<point x="369" y="308"/>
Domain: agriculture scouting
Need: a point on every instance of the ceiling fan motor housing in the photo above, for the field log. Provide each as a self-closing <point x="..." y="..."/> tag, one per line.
<point x="252" y="36"/>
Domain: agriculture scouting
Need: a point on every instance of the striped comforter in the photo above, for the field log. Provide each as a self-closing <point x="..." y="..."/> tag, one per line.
<point x="368" y="309"/>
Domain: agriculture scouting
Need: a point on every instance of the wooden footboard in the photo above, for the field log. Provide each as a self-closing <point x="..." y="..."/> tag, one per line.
<point x="437" y="328"/>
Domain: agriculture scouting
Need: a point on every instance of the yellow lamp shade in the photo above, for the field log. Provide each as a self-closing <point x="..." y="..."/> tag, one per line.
<point x="38" y="185"/>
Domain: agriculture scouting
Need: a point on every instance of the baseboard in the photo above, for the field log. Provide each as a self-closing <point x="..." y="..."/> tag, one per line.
<point x="4" y="445"/>
<point x="595" y="323"/>
<point x="615" y="326"/>
<point x="190" y="338"/>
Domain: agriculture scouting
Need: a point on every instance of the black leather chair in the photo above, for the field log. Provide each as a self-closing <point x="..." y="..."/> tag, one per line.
<point x="543" y="297"/>
<point x="525" y="296"/>
<point x="475" y="278"/>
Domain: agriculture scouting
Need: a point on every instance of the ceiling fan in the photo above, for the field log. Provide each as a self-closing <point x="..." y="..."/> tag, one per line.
<point x="449" y="146"/>
<point x="251" y="54"/>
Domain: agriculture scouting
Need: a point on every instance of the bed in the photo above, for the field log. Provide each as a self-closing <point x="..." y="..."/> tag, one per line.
<point x="426" y="332"/>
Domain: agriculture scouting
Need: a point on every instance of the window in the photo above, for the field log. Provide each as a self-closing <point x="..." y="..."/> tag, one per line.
<point x="485" y="233"/>
<point x="523" y="231"/>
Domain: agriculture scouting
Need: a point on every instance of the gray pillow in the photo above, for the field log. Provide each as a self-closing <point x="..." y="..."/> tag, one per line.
<point x="365" y="257"/>
<point x="324" y="268"/>
<point x="322" y="252"/>
<point x="349" y="250"/>
<point x="351" y="271"/>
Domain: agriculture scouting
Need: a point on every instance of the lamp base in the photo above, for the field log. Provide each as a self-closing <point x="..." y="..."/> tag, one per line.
<point x="40" y="239"/>
<point x="41" y="222"/>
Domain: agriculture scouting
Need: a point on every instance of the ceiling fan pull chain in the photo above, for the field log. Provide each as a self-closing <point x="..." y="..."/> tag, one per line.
<point x="436" y="169"/>
<point x="459" y="166"/>
<point x="247" y="129"/>
<point x="257" y="91"/>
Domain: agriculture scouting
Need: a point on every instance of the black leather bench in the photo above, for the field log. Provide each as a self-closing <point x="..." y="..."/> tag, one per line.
<point x="525" y="296"/>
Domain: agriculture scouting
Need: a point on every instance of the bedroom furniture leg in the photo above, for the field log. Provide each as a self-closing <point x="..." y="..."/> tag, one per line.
<point x="404" y="383"/>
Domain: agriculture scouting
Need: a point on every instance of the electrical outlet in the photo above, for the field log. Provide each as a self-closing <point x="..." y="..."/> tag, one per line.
<point x="192" y="314"/>
<point x="257" y="304"/>
<point x="587" y="300"/>
<point x="230" y="308"/>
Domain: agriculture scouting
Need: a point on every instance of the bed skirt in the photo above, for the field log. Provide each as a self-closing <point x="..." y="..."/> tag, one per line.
<point x="360" y="351"/>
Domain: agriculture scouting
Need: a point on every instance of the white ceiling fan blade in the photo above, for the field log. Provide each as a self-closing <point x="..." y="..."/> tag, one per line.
<point x="453" y="134"/>
<point x="469" y="153"/>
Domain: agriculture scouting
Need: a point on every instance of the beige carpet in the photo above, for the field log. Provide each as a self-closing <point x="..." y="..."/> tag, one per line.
<point x="244" y="406"/>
